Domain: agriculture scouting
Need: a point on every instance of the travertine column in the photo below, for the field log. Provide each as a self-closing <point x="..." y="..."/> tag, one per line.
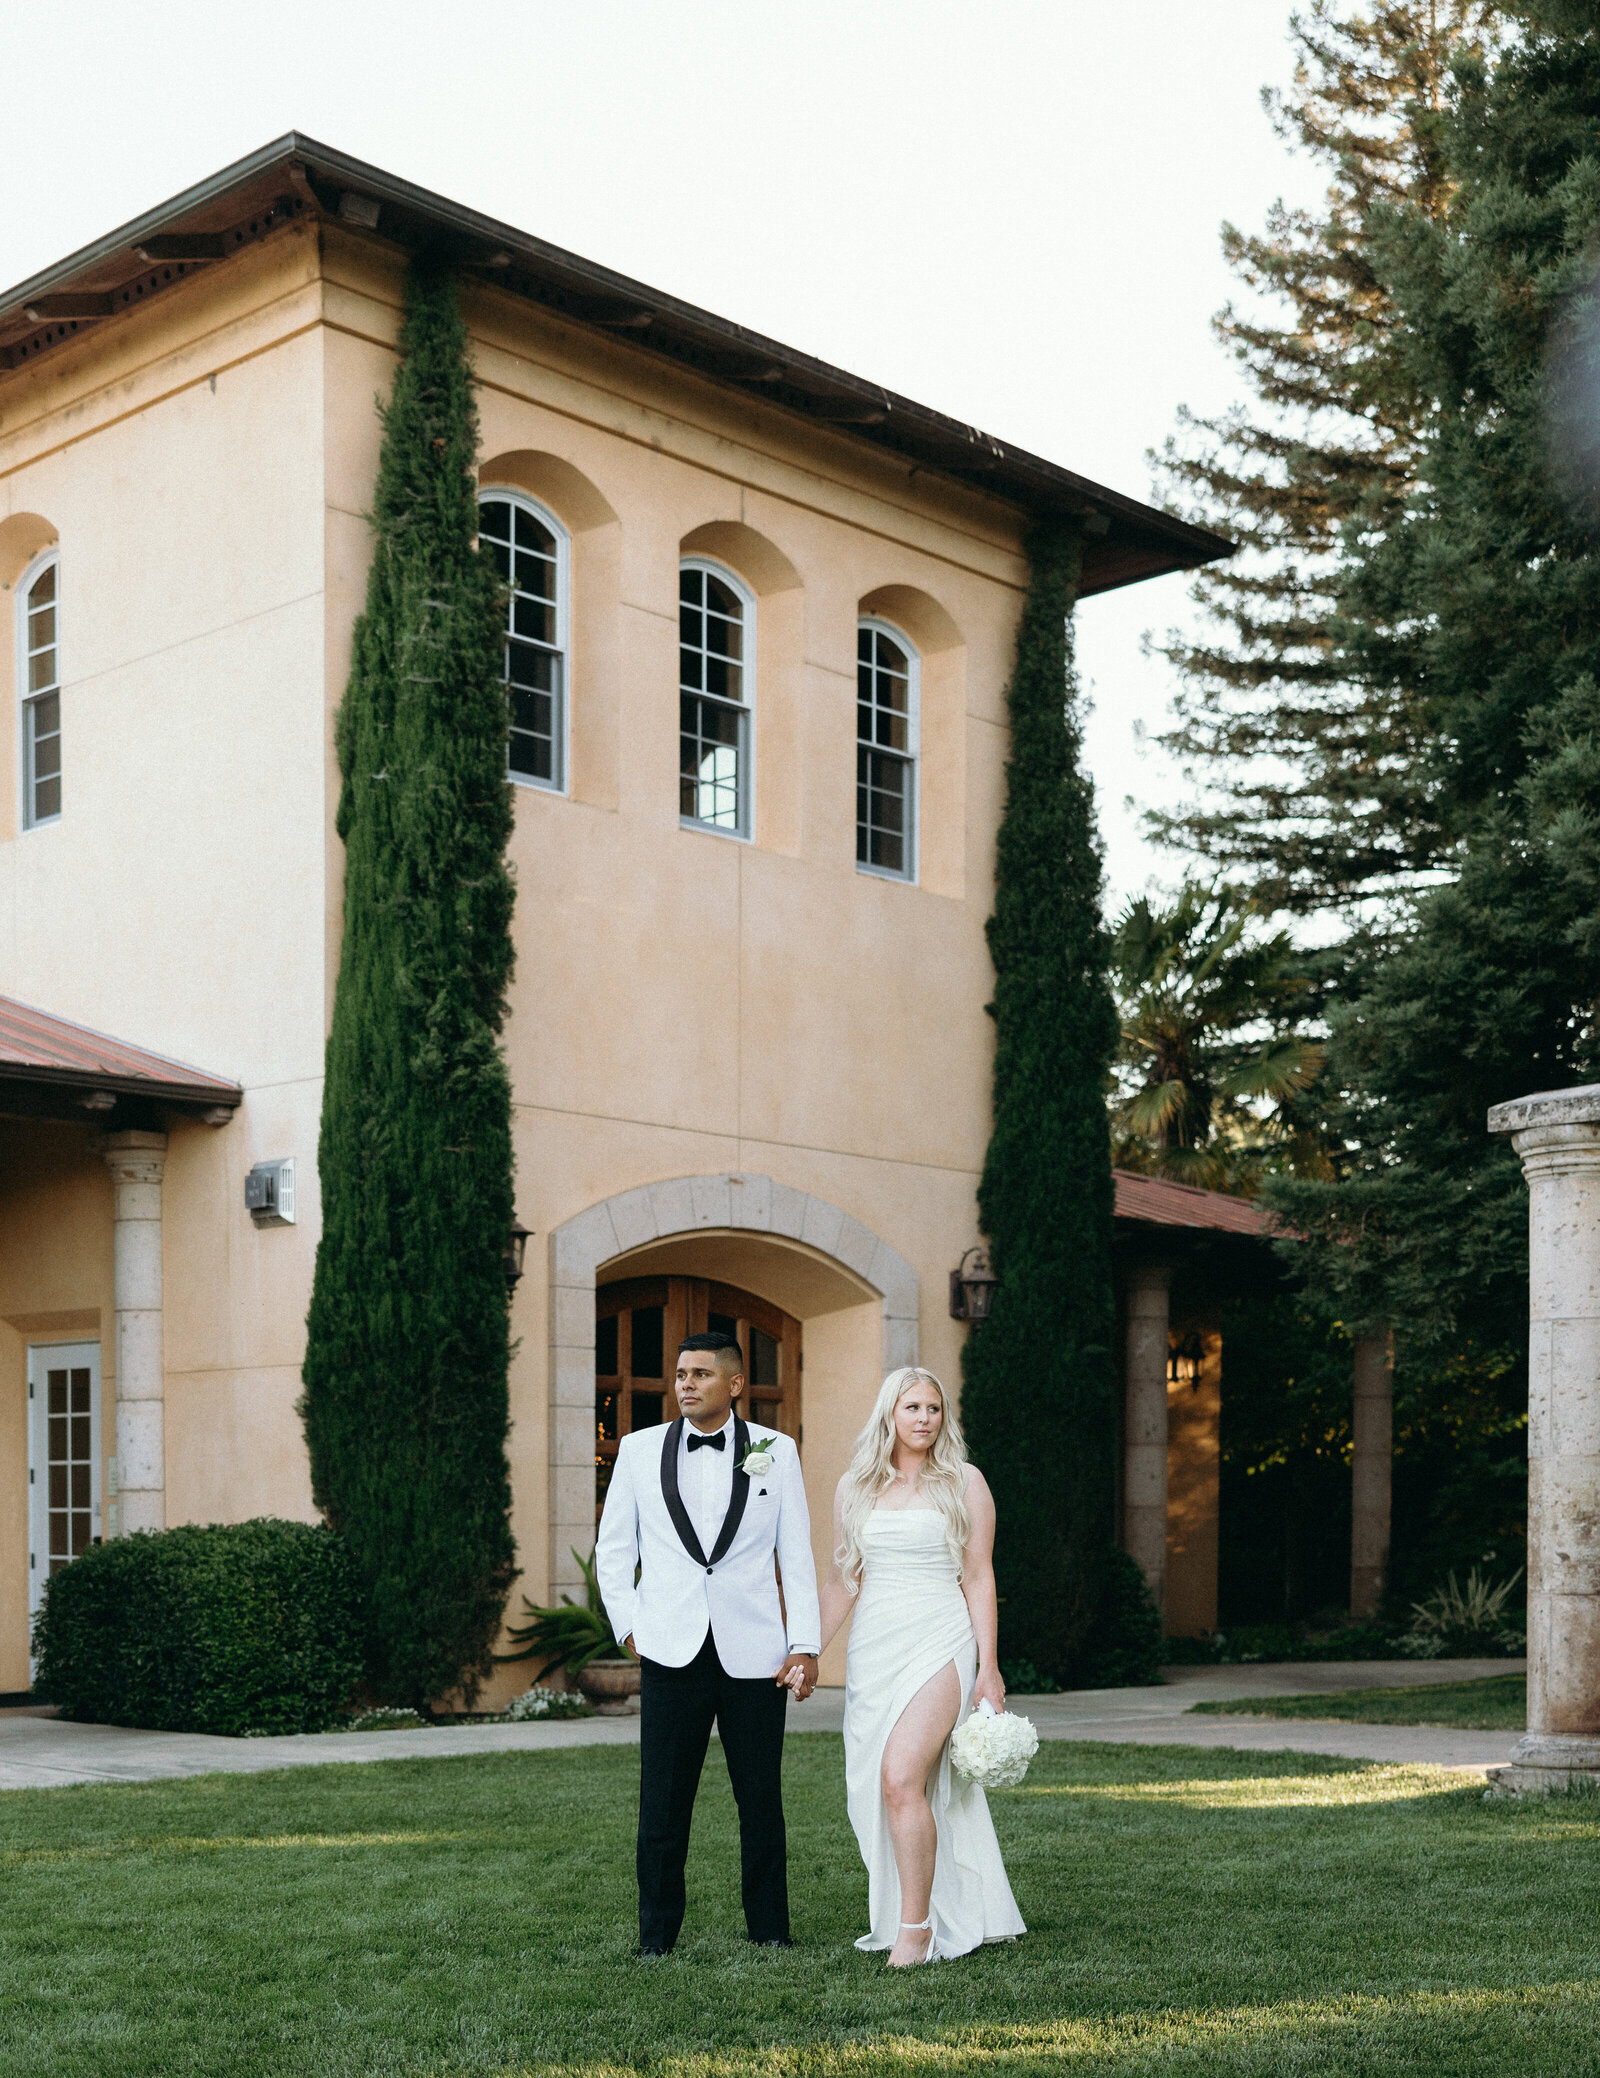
<point x="136" y="1161"/>
<point x="1371" y="1471"/>
<point x="1144" y="1439"/>
<point x="1557" y="1134"/>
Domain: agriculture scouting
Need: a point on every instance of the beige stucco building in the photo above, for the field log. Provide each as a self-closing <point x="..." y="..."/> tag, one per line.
<point x="748" y="1045"/>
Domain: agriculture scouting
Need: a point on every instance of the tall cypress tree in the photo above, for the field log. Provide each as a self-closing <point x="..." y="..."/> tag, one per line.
<point x="405" y="1400"/>
<point x="1038" y="1400"/>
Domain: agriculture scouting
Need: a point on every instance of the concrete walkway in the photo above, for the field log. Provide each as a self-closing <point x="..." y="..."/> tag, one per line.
<point x="40" y="1751"/>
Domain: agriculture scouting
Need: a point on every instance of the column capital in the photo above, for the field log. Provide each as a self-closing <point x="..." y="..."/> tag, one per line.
<point x="1553" y="1130"/>
<point x="135" y="1157"/>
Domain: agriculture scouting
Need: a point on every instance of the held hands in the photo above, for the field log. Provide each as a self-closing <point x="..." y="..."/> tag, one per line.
<point x="798" y="1674"/>
<point x="989" y="1688"/>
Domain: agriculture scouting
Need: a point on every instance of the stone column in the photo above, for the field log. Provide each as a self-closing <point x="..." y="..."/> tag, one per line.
<point x="136" y="1162"/>
<point x="1557" y="1134"/>
<point x="1371" y="1471"/>
<point x="1144" y="1440"/>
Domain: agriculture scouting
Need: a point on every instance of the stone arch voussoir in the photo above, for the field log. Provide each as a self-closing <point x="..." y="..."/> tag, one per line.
<point x="726" y="1200"/>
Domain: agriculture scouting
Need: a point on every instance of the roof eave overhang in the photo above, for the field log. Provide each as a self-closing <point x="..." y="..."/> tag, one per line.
<point x="1124" y="541"/>
<point x="75" y="1084"/>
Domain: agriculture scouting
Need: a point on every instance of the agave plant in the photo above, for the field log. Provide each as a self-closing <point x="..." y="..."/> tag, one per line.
<point x="1479" y="1606"/>
<point x="569" y="1635"/>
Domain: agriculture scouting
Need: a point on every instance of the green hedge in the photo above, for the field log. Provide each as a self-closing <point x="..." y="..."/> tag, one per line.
<point x="230" y="1627"/>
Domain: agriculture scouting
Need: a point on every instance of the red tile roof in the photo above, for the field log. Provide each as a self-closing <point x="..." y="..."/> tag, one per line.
<point x="1154" y="1201"/>
<point x="36" y="1047"/>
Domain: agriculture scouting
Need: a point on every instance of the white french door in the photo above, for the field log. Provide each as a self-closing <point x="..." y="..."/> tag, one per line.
<point x="63" y="1458"/>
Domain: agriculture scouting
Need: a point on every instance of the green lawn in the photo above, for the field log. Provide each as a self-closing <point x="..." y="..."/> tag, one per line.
<point x="1192" y="1912"/>
<point x="1497" y="1704"/>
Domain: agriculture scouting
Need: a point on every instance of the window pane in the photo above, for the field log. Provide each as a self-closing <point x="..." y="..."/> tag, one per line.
<point x="722" y="1324"/>
<point x="531" y="534"/>
<point x="57" y="1389"/>
<point x="534" y="620"/>
<point x="43" y="588"/>
<point x="692" y="585"/>
<point x="605" y="1346"/>
<point x="80" y="1534"/>
<point x="711" y="748"/>
<point x="494" y="519"/>
<point x="605" y="1417"/>
<point x="722" y="598"/>
<point x="766" y="1413"/>
<point x="647" y="1410"/>
<point x="80" y="1485"/>
<point x="58" y="1486"/>
<point x="647" y="1352"/>
<point x="533" y="574"/>
<point x="527" y="666"/>
<point x="46" y="800"/>
<point x="763" y="1358"/>
<point x="41" y="671"/>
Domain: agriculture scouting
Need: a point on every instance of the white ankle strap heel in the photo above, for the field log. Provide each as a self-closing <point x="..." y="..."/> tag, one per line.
<point x="918" y="1926"/>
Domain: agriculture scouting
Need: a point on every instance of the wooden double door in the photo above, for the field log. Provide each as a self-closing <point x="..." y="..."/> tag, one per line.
<point x="638" y="1325"/>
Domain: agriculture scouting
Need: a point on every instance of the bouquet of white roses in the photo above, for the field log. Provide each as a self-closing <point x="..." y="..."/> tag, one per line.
<point x="993" y="1748"/>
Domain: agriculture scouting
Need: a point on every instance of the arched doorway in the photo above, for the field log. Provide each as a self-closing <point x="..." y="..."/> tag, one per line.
<point x="638" y="1324"/>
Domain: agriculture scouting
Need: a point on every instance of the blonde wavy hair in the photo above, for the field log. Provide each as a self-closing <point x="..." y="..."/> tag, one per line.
<point x="871" y="1473"/>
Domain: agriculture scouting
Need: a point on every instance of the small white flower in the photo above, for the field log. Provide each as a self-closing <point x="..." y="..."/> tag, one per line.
<point x="758" y="1459"/>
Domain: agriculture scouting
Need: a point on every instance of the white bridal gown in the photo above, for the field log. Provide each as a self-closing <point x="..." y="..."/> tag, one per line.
<point x="910" y="1621"/>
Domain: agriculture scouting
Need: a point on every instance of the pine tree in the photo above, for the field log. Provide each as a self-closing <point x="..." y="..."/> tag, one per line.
<point x="1038" y="1399"/>
<point x="405" y="1402"/>
<point x="1480" y="603"/>
<point x="1314" y="780"/>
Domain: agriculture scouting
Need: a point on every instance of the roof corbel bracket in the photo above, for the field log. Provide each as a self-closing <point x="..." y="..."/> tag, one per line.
<point x="80" y="303"/>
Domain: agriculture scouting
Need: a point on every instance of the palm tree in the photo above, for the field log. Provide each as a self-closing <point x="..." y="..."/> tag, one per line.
<point x="1210" y="1059"/>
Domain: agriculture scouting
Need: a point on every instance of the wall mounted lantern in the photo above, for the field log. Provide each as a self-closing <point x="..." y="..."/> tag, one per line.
<point x="1184" y="1359"/>
<point x="972" y="1288"/>
<point x="516" y="1249"/>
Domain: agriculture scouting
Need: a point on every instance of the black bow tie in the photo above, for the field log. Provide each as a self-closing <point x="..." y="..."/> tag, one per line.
<point x="708" y="1442"/>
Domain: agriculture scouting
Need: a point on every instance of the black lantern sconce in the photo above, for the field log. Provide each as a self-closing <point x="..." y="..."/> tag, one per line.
<point x="1184" y="1359"/>
<point x="516" y="1249"/>
<point x="972" y="1288"/>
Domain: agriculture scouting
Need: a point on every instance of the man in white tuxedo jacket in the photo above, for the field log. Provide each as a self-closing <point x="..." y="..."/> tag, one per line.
<point x="714" y="1642"/>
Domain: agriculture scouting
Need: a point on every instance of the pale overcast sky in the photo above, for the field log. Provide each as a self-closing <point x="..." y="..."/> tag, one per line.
<point x="1008" y="211"/>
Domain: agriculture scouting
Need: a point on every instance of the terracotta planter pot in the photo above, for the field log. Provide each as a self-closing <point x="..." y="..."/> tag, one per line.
<point x="612" y="1686"/>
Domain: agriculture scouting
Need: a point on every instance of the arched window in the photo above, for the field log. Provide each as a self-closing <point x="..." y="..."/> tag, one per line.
<point x="887" y="669"/>
<point x="40" y="680"/>
<point x="529" y="546"/>
<point x="716" y="695"/>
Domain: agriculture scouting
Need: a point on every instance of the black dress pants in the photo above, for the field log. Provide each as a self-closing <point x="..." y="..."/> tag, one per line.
<point x="679" y="1705"/>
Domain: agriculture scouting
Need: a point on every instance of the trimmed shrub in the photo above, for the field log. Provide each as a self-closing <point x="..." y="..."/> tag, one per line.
<point x="230" y="1627"/>
<point x="1124" y="1649"/>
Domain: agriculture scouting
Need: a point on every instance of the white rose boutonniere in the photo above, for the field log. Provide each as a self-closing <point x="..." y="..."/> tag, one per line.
<point x="758" y="1460"/>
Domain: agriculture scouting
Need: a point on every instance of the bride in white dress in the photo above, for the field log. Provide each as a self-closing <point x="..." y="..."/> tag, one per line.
<point x="913" y="1562"/>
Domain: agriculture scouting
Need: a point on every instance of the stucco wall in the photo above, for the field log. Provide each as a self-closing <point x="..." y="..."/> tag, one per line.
<point x="683" y="1002"/>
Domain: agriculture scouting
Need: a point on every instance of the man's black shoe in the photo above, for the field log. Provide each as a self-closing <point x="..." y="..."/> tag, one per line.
<point x="652" y="1948"/>
<point x="784" y="1943"/>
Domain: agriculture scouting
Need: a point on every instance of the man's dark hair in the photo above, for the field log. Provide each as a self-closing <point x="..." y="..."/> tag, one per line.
<point x="717" y="1344"/>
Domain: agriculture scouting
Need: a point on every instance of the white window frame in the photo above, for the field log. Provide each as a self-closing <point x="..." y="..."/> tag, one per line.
<point x="913" y="754"/>
<point x="745" y="832"/>
<point x="42" y="1357"/>
<point x="49" y="560"/>
<point x="562" y="735"/>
